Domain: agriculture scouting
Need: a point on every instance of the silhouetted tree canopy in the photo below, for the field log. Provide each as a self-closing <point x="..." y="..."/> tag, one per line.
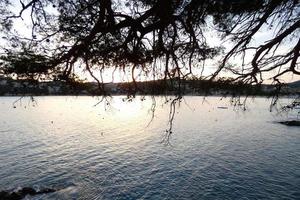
<point x="167" y="38"/>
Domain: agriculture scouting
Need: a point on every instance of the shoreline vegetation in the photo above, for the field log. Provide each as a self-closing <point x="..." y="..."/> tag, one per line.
<point x="223" y="87"/>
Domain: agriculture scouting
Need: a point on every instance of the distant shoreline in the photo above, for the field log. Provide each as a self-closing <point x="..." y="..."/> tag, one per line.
<point x="11" y="87"/>
<point x="151" y="95"/>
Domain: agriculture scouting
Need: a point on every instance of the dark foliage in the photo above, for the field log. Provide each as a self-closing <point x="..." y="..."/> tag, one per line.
<point x="166" y="38"/>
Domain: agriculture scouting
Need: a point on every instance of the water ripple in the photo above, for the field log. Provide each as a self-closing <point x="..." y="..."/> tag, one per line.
<point x="218" y="154"/>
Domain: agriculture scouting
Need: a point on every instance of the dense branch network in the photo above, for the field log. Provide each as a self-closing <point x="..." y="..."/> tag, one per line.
<point x="167" y="38"/>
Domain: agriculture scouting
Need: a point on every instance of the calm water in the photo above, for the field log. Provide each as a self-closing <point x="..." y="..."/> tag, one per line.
<point x="109" y="152"/>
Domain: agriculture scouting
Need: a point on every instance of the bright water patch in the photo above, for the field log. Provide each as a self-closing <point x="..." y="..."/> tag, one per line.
<point x="89" y="153"/>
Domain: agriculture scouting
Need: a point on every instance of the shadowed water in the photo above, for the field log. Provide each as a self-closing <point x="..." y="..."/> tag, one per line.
<point x="109" y="152"/>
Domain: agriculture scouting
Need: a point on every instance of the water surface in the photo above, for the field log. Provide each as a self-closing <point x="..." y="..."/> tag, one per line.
<point x="110" y="152"/>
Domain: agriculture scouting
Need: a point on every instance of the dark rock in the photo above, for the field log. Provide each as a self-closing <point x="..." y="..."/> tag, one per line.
<point x="20" y="194"/>
<point x="27" y="190"/>
<point x="15" y="196"/>
<point x="4" y="195"/>
<point x="291" y="123"/>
